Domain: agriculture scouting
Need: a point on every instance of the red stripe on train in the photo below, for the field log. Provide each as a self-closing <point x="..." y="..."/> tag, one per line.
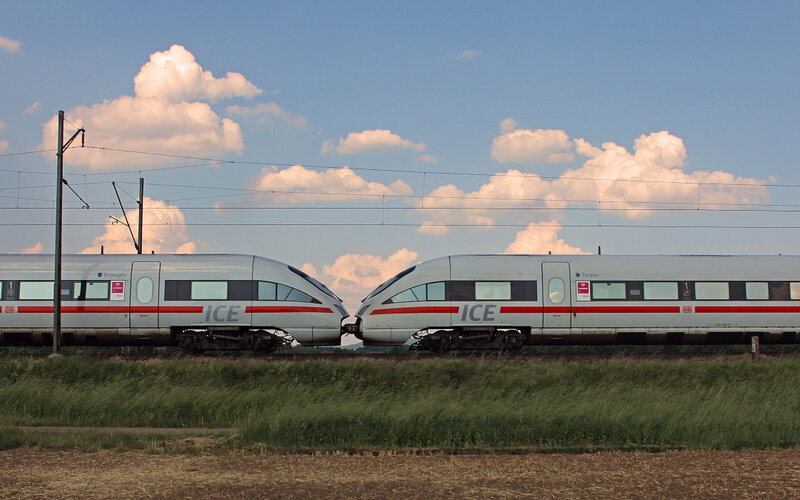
<point x="286" y="309"/>
<point x="417" y="310"/>
<point x="746" y="309"/>
<point x="110" y="309"/>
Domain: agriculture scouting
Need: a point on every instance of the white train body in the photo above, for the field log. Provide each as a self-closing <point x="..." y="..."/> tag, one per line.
<point x="197" y="301"/>
<point x="496" y="301"/>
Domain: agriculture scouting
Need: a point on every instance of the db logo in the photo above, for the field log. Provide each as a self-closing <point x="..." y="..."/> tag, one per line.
<point x="687" y="309"/>
<point x="10" y="309"/>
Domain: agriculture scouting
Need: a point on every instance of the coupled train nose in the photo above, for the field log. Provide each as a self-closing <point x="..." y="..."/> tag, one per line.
<point x="354" y="328"/>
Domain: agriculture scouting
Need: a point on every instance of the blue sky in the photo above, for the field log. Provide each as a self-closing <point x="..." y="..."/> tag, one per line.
<point x="681" y="89"/>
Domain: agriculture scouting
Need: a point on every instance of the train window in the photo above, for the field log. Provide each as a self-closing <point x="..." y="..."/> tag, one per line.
<point x="660" y="291"/>
<point x="492" y="290"/>
<point x="209" y="290"/>
<point x="555" y="290"/>
<point x="266" y="291"/>
<point x="608" y="291"/>
<point x="35" y="290"/>
<point x="144" y="290"/>
<point x="436" y="291"/>
<point x="404" y="296"/>
<point x="296" y="295"/>
<point x="756" y="291"/>
<point x="89" y="290"/>
<point x="283" y="291"/>
<point x="419" y="293"/>
<point x="779" y="290"/>
<point x="711" y="290"/>
<point x="1" y="290"/>
<point x="795" y="290"/>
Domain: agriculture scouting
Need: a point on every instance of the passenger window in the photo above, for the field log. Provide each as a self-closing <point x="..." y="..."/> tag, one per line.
<point x="209" y="290"/>
<point x="1" y="290"/>
<point x="555" y="289"/>
<point x="97" y="290"/>
<point x="144" y="290"/>
<point x="266" y="291"/>
<point x="492" y="290"/>
<point x="36" y="290"/>
<point x="711" y="291"/>
<point x="795" y="290"/>
<point x="660" y="291"/>
<point x="436" y="291"/>
<point x="608" y="291"/>
<point x="756" y="291"/>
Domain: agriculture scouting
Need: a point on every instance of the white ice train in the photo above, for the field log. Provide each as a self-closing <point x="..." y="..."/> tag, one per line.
<point x="194" y="301"/>
<point x="507" y="301"/>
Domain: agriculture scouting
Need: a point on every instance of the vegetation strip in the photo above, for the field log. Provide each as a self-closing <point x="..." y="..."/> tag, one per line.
<point x="438" y="404"/>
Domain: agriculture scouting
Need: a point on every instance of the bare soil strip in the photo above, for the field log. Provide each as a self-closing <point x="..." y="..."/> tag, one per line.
<point x="32" y="473"/>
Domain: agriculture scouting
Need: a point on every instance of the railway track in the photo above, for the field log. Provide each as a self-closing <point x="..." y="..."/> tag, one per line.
<point x="588" y="356"/>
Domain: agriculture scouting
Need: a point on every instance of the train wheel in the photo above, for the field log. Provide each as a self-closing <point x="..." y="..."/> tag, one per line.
<point x="441" y="345"/>
<point x="512" y="342"/>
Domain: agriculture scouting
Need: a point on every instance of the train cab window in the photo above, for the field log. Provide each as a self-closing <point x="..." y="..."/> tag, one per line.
<point x="436" y="291"/>
<point x="711" y="290"/>
<point x="296" y="295"/>
<point x="35" y="290"/>
<point x="602" y="290"/>
<point x="144" y="290"/>
<point x="404" y="296"/>
<point x="209" y="290"/>
<point x="492" y="290"/>
<point x="555" y="290"/>
<point x="794" y="290"/>
<point x="756" y="290"/>
<point x="660" y="291"/>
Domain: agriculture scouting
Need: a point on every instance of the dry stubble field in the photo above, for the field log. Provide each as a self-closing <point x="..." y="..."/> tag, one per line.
<point x="33" y="473"/>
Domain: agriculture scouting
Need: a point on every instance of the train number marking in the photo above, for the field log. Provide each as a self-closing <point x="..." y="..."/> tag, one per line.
<point x="223" y="313"/>
<point x="10" y="309"/>
<point x="479" y="312"/>
<point x="687" y="309"/>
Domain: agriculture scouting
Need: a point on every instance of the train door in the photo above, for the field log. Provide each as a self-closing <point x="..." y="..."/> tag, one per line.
<point x="144" y="294"/>
<point x="556" y="296"/>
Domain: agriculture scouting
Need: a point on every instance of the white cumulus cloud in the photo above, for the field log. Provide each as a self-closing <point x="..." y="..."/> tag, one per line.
<point x="174" y="75"/>
<point x="542" y="238"/>
<point x="370" y="140"/>
<point x="35" y="249"/>
<point x="352" y="276"/>
<point x="3" y="142"/>
<point x="9" y="45"/>
<point x="628" y="183"/>
<point x="164" y="231"/>
<point x="467" y="54"/>
<point x="339" y="183"/>
<point x="531" y="146"/>
<point x="33" y="108"/>
<point x="166" y="115"/>
<point x="264" y="112"/>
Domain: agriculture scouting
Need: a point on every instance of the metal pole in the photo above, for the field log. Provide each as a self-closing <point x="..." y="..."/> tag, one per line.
<point x="57" y="246"/>
<point x="141" y="210"/>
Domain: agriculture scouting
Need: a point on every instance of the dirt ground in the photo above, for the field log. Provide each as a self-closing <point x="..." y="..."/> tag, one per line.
<point x="33" y="473"/>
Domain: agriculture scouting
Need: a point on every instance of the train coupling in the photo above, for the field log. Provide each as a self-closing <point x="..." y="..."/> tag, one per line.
<point x="353" y="328"/>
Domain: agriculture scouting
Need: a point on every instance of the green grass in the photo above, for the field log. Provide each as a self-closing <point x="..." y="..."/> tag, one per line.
<point x="425" y="403"/>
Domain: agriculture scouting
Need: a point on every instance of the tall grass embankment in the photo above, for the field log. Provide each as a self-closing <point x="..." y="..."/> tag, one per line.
<point x="432" y="403"/>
